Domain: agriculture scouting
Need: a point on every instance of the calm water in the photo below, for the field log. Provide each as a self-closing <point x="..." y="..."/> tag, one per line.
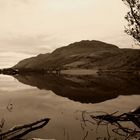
<point x="63" y="99"/>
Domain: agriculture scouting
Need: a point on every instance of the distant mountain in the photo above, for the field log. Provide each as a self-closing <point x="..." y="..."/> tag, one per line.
<point x="85" y="55"/>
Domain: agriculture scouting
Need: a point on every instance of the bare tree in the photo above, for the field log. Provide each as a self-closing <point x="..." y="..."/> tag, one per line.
<point x="133" y="18"/>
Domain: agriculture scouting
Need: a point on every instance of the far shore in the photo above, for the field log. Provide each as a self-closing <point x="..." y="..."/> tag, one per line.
<point x="11" y="71"/>
<point x="79" y="72"/>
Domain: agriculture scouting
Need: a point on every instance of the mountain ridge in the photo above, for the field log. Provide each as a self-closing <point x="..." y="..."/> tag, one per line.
<point x="85" y="55"/>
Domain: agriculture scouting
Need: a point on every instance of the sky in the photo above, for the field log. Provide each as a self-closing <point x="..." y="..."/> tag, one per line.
<point x="31" y="27"/>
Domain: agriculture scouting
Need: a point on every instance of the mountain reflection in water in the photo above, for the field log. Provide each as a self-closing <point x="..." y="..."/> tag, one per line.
<point x="85" y="89"/>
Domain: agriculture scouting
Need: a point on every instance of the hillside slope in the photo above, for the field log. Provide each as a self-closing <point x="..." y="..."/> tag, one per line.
<point x="85" y="55"/>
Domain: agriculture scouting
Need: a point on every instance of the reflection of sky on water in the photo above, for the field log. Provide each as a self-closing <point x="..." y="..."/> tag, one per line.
<point x="30" y="105"/>
<point x="9" y="83"/>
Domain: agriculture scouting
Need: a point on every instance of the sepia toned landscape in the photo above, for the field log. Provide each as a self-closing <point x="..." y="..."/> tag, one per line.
<point x="70" y="70"/>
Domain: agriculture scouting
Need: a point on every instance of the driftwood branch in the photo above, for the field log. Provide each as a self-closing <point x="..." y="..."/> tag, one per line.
<point x="20" y="131"/>
<point x="115" y="120"/>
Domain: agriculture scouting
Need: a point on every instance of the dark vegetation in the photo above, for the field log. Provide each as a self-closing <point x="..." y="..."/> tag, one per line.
<point x="133" y="19"/>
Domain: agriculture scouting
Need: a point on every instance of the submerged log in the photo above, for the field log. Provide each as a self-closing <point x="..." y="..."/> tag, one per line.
<point x="19" y="131"/>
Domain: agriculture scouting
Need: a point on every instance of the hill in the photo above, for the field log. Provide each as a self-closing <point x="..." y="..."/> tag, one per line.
<point x="85" y="55"/>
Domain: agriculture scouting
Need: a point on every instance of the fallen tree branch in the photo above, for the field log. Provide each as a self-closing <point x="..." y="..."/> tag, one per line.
<point x="115" y="120"/>
<point x="20" y="131"/>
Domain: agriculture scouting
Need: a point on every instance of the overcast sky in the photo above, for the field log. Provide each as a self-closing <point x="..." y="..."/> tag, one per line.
<point x="30" y="27"/>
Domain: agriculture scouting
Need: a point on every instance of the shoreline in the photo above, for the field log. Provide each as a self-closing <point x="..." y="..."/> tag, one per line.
<point x="79" y="72"/>
<point x="11" y="71"/>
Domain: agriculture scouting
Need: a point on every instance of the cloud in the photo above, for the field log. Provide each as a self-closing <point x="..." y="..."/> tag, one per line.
<point x="24" y="1"/>
<point x="23" y="40"/>
<point x="9" y="2"/>
<point x="30" y="44"/>
<point x="26" y="25"/>
<point x="9" y="58"/>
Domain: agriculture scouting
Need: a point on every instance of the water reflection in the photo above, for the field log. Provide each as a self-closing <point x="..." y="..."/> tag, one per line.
<point x="85" y="89"/>
<point x="31" y="104"/>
